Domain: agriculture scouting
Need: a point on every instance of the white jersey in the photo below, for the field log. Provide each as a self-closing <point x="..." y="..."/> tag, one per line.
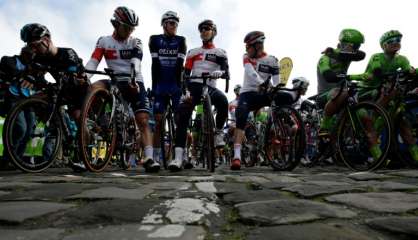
<point x="119" y="55"/>
<point x="206" y="59"/>
<point x="258" y="70"/>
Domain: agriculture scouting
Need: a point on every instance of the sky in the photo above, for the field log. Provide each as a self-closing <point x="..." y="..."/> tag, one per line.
<point x="299" y="29"/>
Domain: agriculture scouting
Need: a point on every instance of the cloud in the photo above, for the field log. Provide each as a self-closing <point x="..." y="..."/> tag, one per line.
<point x="300" y="29"/>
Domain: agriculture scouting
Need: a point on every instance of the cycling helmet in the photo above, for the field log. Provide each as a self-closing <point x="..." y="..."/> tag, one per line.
<point x="254" y="37"/>
<point x="237" y="88"/>
<point x="170" y="15"/>
<point x="352" y="36"/>
<point x="208" y="23"/>
<point x="124" y="15"/>
<point x="33" y="32"/>
<point x="300" y="82"/>
<point x="389" y="35"/>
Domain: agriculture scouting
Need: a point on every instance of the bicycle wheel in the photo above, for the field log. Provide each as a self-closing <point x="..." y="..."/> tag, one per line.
<point x="31" y="137"/>
<point x="362" y="129"/>
<point x="127" y="141"/>
<point x="167" y="137"/>
<point x="409" y="119"/>
<point x="208" y="135"/>
<point x="97" y="131"/>
<point x="284" y="139"/>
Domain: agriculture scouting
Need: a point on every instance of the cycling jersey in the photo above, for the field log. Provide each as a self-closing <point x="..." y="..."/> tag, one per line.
<point x="67" y="60"/>
<point x="119" y="55"/>
<point x="206" y="59"/>
<point x="259" y="70"/>
<point x="386" y="65"/>
<point x="168" y="55"/>
<point x="332" y="64"/>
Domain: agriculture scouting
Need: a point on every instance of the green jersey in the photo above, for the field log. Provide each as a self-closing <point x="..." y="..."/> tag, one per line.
<point x="385" y="65"/>
<point x="334" y="63"/>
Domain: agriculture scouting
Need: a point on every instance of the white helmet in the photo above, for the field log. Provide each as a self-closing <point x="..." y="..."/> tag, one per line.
<point x="300" y="82"/>
<point x="237" y="88"/>
<point x="170" y="15"/>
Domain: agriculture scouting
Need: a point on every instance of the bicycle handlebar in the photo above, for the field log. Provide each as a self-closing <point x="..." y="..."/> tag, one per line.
<point x="207" y="76"/>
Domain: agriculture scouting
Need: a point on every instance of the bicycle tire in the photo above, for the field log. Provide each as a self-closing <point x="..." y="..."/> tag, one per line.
<point x="95" y="118"/>
<point x="167" y="137"/>
<point x="50" y="131"/>
<point x="288" y="149"/>
<point x="354" y="154"/>
<point x="208" y="126"/>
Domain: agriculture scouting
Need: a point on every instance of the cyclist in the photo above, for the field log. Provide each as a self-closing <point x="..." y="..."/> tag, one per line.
<point x="12" y="70"/>
<point x="168" y="51"/>
<point x="38" y="39"/>
<point x="331" y="71"/>
<point x="232" y="106"/>
<point x="301" y="84"/>
<point x="259" y="67"/>
<point x="120" y="51"/>
<point x="387" y="62"/>
<point x="206" y="58"/>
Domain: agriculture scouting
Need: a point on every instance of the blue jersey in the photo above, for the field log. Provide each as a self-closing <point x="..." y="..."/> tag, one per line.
<point x="168" y="54"/>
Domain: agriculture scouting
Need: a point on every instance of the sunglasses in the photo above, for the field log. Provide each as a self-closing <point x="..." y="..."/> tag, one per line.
<point x="127" y="27"/>
<point x="205" y="28"/>
<point x="349" y="46"/>
<point x="172" y="23"/>
<point x="393" y="40"/>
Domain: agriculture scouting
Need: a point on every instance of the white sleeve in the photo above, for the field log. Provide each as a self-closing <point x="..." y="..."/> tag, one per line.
<point x="252" y="74"/>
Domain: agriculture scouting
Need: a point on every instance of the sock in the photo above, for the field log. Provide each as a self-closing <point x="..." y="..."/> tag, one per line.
<point x="237" y="151"/>
<point x="148" y="152"/>
<point x="157" y="154"/>
<point x="179" y="153"/>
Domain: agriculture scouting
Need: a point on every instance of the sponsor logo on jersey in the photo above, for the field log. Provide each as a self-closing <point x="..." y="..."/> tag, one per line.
<point x="264" y="68"/>
<point x="211" y="58"/>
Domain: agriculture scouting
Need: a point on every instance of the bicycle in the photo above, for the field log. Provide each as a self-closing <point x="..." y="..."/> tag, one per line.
<point x="356" y="132"/>
<point x="284" y="136"/>
<point x="402" y="110"/>
<point x="167" y="133"/>
<point x="107" y="125"/>
<point x="39" y="126"/>
<point x="206" y="138"/>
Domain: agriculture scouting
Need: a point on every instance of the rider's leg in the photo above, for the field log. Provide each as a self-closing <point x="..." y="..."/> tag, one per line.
<point x="408" y="137"/>
<point x="221" y="104"/>
<point x="332" y="107"/>
<point x="185" y="111"/>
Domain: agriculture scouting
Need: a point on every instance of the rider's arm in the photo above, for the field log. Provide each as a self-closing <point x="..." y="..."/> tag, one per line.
<point x="155" y="65"/>
<point x="222" y="60"/>
<point x="250" y="71"/>
<point x="181" y="55"/>
<point x="96" y="57"/>
<point x="188" y="66"/>
<point x="274" y="71"/>
<point x="324" y="67"/>
<point x="137" y="55"/>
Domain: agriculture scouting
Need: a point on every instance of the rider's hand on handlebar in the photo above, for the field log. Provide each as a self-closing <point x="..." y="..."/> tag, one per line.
<point x="217" y="74"/>
<point x="186" y="97"/>
<point x="26" y="84"/>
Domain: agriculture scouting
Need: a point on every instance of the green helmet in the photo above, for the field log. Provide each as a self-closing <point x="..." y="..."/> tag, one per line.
<point x="388" y="35"/>
<point x="351" y="36"/>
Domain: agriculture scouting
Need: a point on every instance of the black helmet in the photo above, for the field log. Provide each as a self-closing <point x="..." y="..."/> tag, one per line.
<point x="254" y="37"/>
<point x="126" y="16"/>
<point x="208" y="23"/>
<point x="33" y="31"/>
